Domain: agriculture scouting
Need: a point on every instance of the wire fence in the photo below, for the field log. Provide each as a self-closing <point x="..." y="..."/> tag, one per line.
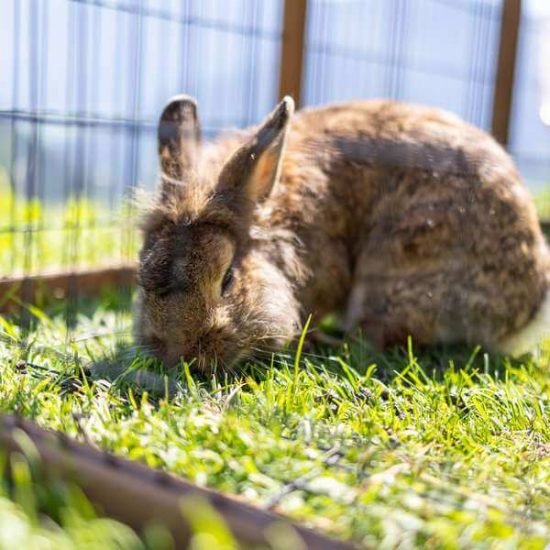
<point x="87" y="79"/>
<point x="382" y="49"/>
<point x="82" y="83"/>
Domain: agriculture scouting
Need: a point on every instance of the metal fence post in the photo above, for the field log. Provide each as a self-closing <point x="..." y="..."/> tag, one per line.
<point x="292" y="51"/>
<point x="504" y="82"/>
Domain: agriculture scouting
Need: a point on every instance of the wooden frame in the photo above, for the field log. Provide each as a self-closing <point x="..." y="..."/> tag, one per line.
<point x="26" y="289"/>
<point x="136" y="495"/>
<point x="292" y="52"/>
<point x="505" y="77"/>
<point x="62" y="284"/>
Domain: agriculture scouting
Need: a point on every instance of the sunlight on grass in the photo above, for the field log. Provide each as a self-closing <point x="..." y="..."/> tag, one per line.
<point x="39" y="515"/>
<point x="447" y="448"/>
<point x="542" y="202"/>
<point x="77" y="233"/>
<point x="35" y="513"/>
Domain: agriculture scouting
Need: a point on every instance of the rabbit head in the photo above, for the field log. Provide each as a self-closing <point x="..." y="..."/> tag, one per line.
<point x="208" y="291"/>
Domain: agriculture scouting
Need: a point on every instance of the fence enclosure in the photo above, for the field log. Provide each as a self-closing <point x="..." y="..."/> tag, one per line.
<point x="82" y="83"/>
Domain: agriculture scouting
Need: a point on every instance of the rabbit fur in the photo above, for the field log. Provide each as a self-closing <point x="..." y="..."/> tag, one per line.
<point x="403" y="218"/>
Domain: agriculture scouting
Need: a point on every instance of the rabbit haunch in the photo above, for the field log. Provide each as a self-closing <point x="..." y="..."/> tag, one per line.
<point x="405" y="219"/>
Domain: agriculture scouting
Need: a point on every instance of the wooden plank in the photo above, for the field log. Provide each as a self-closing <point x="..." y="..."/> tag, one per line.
<point x="504" y="82"/>
<point x="136" y="495"/>
<point x="62" y="285"/>
<point x="292" y="50"/>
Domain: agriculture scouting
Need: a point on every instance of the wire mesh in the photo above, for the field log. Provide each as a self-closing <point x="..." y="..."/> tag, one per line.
<point x="427" y="51"/>
<point x="82" y="83"/>
<point x="437" y="52"/>
<point x="530" y="137"/>
<point x="85" y="82"/>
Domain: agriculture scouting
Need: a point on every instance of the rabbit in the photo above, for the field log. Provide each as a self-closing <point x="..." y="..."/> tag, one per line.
<point x="402" y="218"/>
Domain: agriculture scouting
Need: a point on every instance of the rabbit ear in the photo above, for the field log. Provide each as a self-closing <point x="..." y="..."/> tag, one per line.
<point x="255" y="167"/>
<point x="179" y="136"/>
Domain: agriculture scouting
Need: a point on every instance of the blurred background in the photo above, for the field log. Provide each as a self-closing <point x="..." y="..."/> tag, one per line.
<point x="82" y="83"/>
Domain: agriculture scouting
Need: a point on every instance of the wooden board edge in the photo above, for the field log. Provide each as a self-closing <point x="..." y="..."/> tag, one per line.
<point x="137" y="495"/>
<point x="61" y="285"/>
<point x="292" y="49"/>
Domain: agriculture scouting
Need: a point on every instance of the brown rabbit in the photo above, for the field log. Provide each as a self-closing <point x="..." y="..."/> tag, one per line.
<point x="404" y="218"/>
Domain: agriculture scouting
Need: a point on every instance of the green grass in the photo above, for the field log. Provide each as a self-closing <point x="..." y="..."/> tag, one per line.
<point x="35" y="514"/>
<point x="542" y="202"/>
<point x="78" y="233"/>
<point x="445" y="448"/>
<point x="449" y="448"/>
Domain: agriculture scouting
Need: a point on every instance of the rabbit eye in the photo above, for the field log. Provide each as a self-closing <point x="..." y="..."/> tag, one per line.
<point x="227" y="280"/>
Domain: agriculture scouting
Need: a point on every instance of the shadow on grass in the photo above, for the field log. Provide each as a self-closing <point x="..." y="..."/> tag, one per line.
<point x="434" y="361"/>
<point x="126" y="369"/>
<point x="130" y="370"/>
<point x="70" y="309"/>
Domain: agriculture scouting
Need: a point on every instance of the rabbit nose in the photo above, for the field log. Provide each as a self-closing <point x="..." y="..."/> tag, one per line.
<point x="168" y="351"/>
<point x="173" y="355"/>
<point x="156" y="345"/>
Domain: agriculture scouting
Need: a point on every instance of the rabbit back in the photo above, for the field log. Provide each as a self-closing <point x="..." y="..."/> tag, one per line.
<point x="417" y="221"/>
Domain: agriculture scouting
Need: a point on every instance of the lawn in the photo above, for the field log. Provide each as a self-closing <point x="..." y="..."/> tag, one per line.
<point x="442" y="448"/>
<point x="448" y="448"/>
<point x="23" y="523"/>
